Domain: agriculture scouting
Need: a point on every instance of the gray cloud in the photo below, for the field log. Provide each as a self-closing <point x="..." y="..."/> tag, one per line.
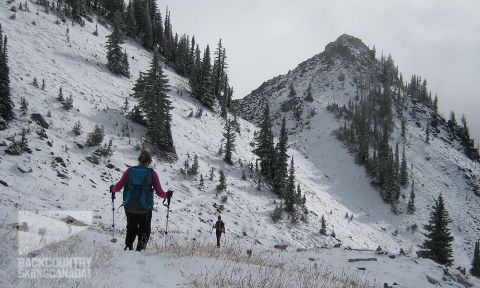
<point x="264" y="38"/>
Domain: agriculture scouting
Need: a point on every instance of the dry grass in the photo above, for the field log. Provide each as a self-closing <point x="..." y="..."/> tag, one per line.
<point x="237" y="269"/>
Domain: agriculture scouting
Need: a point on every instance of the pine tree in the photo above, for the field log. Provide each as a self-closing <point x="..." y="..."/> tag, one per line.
<point x="309" y="96"/>
<point x="229" y="136"/>
<point x="206" y="96"/>
<point x="404" y="170"/>
<point x="23" y="105"/>
<point x="60" y="95"/>
<point x="404" y="128"/>
<point x="151" y="92"/>
<point x="117" y="60"/>
<point x="281" y="163"/>
<point x="202" y="182"/>
<point x="265" y="146"/>
<point x="439" y="239"/>
<point x="218" y="71"/>
<point x="291" y="91"/>
<point x="427" y="133"/>
<point x="475" y="270"/>
<point x="77" y="128"/>
<point x="244" y="176"/>
<point x="6" y="104"/>
<point x="95" y="137"/>
<point x="411" y="202"/>
<point x="289" y="194"/>
<point x="68" y="103"/>
<point x="194" y="168"/>
<point x="323" y="229"/>
<point x="223" y="182"/>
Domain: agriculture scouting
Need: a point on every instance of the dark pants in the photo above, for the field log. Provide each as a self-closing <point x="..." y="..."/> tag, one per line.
<point x="138" y="225"/>
<point x="219" y="235"/>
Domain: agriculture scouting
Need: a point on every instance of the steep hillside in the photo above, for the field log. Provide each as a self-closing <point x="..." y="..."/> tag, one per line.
<point x="56" y="174"/>
<point x="336" y="76"/>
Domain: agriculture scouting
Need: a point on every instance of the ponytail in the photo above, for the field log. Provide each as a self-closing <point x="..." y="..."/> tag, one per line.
<point x="144" y="158"/>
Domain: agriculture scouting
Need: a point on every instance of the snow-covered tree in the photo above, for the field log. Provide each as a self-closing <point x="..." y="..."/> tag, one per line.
<point x="439" y="239"/>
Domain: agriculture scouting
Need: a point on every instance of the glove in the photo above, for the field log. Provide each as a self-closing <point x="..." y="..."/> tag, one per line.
<point x="113" y="194"/>
<point x="169" y="194"/>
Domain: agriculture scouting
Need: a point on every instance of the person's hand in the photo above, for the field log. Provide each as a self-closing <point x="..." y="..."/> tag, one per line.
<point x="169" y="194"/>
<point x="111" y="192"/>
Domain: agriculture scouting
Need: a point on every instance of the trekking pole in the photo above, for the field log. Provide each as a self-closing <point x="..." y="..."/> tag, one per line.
<point x="113" y="216"/>
<point x="168" y="214"/>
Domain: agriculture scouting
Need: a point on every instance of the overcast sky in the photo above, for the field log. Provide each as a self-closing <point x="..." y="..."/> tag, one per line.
<point x="439" y="40"/>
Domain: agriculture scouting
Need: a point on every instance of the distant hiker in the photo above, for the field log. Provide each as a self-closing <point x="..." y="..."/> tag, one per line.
<point x="219" y="228"/>
<point x="138" y="199"/>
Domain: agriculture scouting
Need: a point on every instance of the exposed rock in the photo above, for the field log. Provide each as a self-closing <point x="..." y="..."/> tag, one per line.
<point x="80" y="146"/>
<point x="110" y="166"/>
<point x="38" y="119"/>
<point x="433" y="281"/>
<point x="93" y="159"/>
<point x="282" y="247"/>
<point x="3" y="183"/>
<point x="3" y="143"/>
<point x="72" y="221"/>
<point x="60" y="161"/>
<point x="362" y="259"/>
<point x="24" y="169"/>
<point x="61" y="175"/>
<point x="49" y="144"/>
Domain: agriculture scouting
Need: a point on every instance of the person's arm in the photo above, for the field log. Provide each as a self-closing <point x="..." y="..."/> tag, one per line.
<point x="122" y="182"/>
<point x="157" y="186"/>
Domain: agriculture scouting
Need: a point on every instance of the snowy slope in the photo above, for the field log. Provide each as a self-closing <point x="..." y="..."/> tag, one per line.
<point x="77" y="64"/>
<point x="438" y="167"/>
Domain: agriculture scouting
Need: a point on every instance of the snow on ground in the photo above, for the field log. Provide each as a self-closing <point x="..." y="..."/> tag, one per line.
<point x="75" y="60"/>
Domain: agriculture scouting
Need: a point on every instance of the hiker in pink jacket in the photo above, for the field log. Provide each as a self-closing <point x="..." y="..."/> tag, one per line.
<point x="138" y="183"/>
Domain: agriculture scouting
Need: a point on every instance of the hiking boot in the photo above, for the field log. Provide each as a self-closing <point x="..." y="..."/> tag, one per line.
<point x="127" y="247"/>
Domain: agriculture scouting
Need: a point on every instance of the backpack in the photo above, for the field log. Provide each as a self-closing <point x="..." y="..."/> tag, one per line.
<point x="221" y="227"/>
<point x="138" y="192"/>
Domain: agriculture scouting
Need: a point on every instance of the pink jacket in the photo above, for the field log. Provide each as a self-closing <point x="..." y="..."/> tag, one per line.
<point x="155" y="183"/>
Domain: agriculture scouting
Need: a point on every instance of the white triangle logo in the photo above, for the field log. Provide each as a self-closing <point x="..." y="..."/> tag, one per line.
<point x="37" y="229"/>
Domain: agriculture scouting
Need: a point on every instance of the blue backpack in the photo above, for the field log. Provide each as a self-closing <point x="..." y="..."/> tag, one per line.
<point x="138" y="192"/>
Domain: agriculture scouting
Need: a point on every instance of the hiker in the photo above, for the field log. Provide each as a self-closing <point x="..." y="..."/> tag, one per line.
<point x="138" y="199"/>
<point x="219" y="228"/>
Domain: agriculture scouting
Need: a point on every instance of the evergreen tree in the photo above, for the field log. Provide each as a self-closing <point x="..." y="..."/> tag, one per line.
<point x="411" y="202"/>
<point x="223" y="182"/>
<point x="439" y="239"/>
<point x="265" y="146"/>
<point x="77" y="128"/>
<point x="404" y="169"/>
<point x="60" y="95"/>
<point x="148" y="29"/>
<point x="194" y="168"/>
<point x="151" y="92"/>
<point x="475" y="270"/>
<point x="23" y="105"/>
<point x="95" y="137"/>
<point x="281" y="161"/>
<point x="68" y="103"/>
<point x="323" y="229"/>
<point x="117" y="60"/>
<point x="289" y="194"/>
<point x="206" y="96"/>
<point x="427" y="133"/>
<point x="309" y="96"/>
<point x="291" y="91"/>
<point x="6" y="104"/>
<point x="202" y="182"/>
<point x="229" y="136"/>
<point x="218" y="71"/>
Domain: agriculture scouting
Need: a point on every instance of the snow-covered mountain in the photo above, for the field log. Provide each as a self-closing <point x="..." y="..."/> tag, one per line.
<point x="438" y="167"/>
<point x="57" y="175"/>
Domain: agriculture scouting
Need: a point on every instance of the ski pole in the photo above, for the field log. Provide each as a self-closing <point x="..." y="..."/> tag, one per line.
<point x="168" y="214"/>
<point x="113" y="216"/>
